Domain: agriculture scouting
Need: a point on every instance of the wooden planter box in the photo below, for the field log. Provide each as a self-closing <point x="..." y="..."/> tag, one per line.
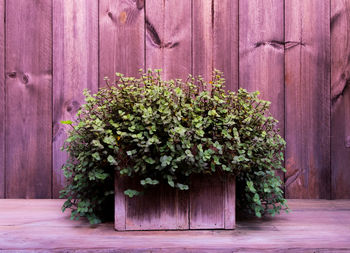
<point x="209" y="204"/>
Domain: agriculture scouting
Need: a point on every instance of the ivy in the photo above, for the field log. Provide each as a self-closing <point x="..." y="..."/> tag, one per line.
<point x="158" y="131"/>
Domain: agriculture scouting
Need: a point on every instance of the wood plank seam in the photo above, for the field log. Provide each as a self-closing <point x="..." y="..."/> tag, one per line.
<point x="330" y="103"/>
<point x="284" y="93"/>
<point x="3" y="100"/>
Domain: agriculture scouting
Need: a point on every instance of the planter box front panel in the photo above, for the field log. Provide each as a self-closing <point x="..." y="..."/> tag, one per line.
<point x="159" y="208"/>
<point x="209" y="204"/>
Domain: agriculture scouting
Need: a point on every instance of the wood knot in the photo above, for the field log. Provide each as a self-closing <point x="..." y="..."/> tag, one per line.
<point x="12" y="74"/>
<point x="122" y="17"/>
<point x="72" y="106"/>
<point x="110" y="14"/>
<point x="140" y="4"/>
<point x="347" y="142"/>
<point x="279" y="45"/>
<point x="25" y="79"/>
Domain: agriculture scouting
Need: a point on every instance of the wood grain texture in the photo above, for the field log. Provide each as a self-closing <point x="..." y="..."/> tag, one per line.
<point x="307" y="78"/>
<point x="312" y="226"/>
<point x="225" y="40"/>
<point x="261" y="52"/>
<point x="157" y="208"/>
<point x="121" y="38"/>
<point x="168" y="37"/>
<point x="340" y="97"/>
<point x="75" y="62"/>
<point x="119" y="204"/>
<point x="207" y="202"/>
<point x="2" y="99"/>
<point x="29" y="94"/>
<point x="230" y="203"/>
<point x="202" y="38"/>
<point x="160" y="208"/>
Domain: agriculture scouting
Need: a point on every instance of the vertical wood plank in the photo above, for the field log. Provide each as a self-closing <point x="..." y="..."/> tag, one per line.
<point x="202" y="38"/>
<point x="307" y="79"/>
<point x="340" y="97"/>
<point x="225" y="40"/>
<point x="261" y="52"/>
<point x="29" y="94"/>
<point x="119" y="204"/>
<point x="168" y="37"/>
<point x="155" y="35"/>
<point x="2" y="98"/>
<point x="207" y="202"/>
<point x="230" y="203"/>
<point x="121" y="38"/>
<point x="75" y="63"/>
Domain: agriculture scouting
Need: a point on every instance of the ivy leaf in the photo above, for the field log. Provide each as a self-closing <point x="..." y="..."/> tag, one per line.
<point x="257" y="212"/>
<point x="189" y="153"/>
<point x="131" y="152"/>
<point x="96" y="156"/>
<point x="250" y="185"/>
<point x="217" y="160"/>
<point x="200" y="132"/>
<point x="182" y="187"/>
<point x="165" y="160"/>
<point x="131" y="193"/>
<point x="66" y="122"/>
<point x="256" y="199"/>
<point x="101" y="176"/>
<point x="180" y="130"/>
<point x="149" y="181"/>
<point x="111" y="160"/>
<point x="212" y="113"/>
<point x="149" y="160"/>
<point x="97" y="144"/>
<point x="170" y="181"/>
<point x="109" y="140"/>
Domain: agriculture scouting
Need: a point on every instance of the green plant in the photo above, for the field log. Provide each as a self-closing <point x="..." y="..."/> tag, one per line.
<point x="157" y="130"/>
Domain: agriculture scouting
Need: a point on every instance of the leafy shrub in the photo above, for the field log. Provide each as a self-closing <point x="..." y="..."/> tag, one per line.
<point x="165" y="131"/>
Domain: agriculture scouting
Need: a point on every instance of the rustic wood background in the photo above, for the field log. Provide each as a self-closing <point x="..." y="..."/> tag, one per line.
<point x="296" y="52"/>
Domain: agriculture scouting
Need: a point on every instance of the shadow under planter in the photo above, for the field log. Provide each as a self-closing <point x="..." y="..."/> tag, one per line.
<point x="209" y="204"/>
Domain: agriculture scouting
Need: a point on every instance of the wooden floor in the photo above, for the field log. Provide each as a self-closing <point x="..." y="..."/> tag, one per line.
<point x="312" y="226"/>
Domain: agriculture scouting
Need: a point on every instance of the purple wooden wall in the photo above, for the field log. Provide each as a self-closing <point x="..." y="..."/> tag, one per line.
<point x="296" y="52"/>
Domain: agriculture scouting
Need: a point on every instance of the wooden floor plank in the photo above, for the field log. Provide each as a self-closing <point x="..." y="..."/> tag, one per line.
<point x="312" y="226"/>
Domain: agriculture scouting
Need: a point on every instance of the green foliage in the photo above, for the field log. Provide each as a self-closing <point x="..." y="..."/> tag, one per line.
<point x="165" y="131"/>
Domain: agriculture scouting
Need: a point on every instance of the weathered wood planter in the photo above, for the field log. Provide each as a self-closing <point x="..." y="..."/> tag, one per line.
<point x="209" y="204"/>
